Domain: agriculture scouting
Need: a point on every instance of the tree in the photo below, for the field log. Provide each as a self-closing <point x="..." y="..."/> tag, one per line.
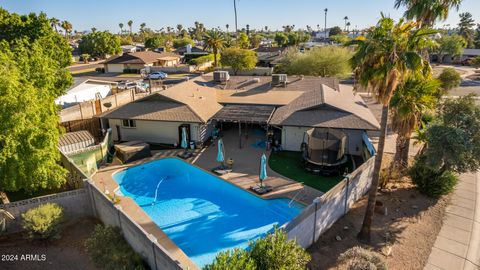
<point x="381" y="61"/>
<point x="449" y="79"/>
<point x="452" y="45"/>
<point x="236" y="259"/>
<point x="414" y="97"/>
<point x="33" y="58"/>
<point x="335" y="31"/>
<point x="142" y="27"/>
<point x="320" y="61"/>
<point x="154" y="42"/>
<point x="243" y="41"/>
<point x="453" y="143"/>
<point x="238" y="59"/>
<point x="54" y="22"/>
<point x="427" y="12"/>
<point x="100" y="44"/>
<point x="130" y="23"/>
<point x="213" y="40"/>
<point x="341" y="39"/>
<point x="67" y="26"/>
<point x="465" y="28"/>
<point x="182" y="42"/>
<point x="476" y="42"/>
<point x="281" y="39"/>
<point x="476" y="62"/>
<point x="346" y="20"/>
<point x="255" y="40"/>
<point x="227" y="26"/>
<point x="121" y="27"/>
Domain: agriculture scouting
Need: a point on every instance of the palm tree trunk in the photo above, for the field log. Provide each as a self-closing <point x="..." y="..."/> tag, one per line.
<point x="215" y="57"/>
<point x="364" y="234"/>
<point x="402" y="148"/>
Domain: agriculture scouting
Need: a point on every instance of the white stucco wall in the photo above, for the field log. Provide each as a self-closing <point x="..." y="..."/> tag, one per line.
<point x="292" y="138"/>
<point x="152" y="131"/>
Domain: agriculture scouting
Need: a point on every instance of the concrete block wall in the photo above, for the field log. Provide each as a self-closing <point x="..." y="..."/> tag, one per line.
<point x="144" y="244"/>
<point x="307" y="227"/>
<point x="76" y="204"/>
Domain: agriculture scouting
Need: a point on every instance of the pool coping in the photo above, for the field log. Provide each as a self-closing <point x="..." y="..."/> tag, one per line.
<point x="129" y="203"/>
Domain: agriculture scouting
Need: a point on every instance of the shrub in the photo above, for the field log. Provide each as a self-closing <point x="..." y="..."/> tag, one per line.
<point x="275" y="252"/>
<point x="109" y="250"/>
<point x="449" y="79"/>
<point x="43" y="222"/>
<point x="430" y="181"/>
<point x="236" y="259"/>
<point x="358" y="258"/>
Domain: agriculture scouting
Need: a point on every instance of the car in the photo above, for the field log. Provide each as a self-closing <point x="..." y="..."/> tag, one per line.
<point x="467" y="62"/>
<point x="157" y="76"/>
<point x="126" y="85"/>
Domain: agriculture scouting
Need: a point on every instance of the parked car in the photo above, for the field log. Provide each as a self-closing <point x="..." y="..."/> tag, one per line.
<point x="127" y="85"/>
<point x="157" y="76"/>
<point x="466" y="62"/>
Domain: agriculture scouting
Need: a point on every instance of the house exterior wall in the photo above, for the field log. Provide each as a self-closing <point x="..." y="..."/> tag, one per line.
<point x="292" y="138"/>
<point x="155" y="131"/>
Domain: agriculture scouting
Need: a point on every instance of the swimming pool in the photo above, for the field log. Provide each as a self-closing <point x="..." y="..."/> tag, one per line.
<point x="199" y="212"/>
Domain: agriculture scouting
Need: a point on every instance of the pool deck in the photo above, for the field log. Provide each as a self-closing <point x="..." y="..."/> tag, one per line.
<point x="245" y="174"/>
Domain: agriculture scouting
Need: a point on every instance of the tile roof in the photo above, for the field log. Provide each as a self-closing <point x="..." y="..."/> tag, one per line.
<point x="145" y="57"/>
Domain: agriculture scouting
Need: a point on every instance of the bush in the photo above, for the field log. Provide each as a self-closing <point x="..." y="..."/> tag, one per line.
<point x="449" y="79"/>
<point x="358" y="258"/>
<point x="274" y="252"/>
<point x="109" y="250"/>
<point x="430" y="181"/>
<point x="43" y="222"/>
<point x="237" y="259"/>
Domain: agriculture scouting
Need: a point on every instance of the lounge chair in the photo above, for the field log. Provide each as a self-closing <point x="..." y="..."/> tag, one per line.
<point x="221" y="170"/>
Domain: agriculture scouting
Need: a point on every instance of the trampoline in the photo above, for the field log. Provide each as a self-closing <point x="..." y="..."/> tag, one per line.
<point x="324" y="150"/>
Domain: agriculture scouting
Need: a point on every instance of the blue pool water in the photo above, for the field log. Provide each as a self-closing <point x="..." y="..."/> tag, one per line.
<point x="201" y="213"/>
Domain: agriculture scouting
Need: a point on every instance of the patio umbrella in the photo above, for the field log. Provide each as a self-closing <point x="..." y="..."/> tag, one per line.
<point x="263" y="169"/>
<point x="184" y="143"/>
<point x="220" y="155"/>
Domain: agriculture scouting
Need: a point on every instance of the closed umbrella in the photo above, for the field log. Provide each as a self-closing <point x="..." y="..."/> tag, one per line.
<point x="263" y="169"/>
<point x="220" y="155"/>
<point x="184" y="143"/>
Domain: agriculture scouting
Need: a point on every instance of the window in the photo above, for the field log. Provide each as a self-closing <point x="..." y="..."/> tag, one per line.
<point x="129" y="123"/>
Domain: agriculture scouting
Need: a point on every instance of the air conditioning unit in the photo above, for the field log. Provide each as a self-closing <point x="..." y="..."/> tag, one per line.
<point x="278" y="79"/>
<point x="221" y="76"/>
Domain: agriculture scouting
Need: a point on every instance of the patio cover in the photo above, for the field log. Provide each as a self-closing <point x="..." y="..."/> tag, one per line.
<point x="258" y="114"/>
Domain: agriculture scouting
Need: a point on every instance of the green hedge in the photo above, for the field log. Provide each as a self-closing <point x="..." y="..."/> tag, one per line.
<point x="43" y="222"/>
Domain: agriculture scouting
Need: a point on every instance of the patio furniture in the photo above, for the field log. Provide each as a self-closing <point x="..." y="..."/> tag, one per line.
<point x="131" y="151"/>
<point x="261" y="189"/>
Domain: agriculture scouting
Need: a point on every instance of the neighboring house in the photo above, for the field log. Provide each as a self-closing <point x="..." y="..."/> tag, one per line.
<point x="188" y="49"/>
<point x="447" y="59"/>
<point x="132" y="48"/>
<point x="140" y="60"/>
<point x="84" y="90"/>
<point x="288" y="109"/>
<point x="268" y="56"/>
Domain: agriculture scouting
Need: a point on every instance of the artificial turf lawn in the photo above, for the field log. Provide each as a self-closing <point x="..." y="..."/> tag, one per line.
<point x="289" y="164"/>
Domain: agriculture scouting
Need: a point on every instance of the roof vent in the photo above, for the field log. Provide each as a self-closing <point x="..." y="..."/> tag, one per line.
<point x="278" y="79"/>
<point x="221" y="76"/>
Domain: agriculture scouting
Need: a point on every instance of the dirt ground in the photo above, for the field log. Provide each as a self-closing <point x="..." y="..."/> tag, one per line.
<point x="68" y="252"/>
<point x="404" y="236"/>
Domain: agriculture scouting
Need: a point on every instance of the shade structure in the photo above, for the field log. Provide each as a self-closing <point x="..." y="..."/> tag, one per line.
<point x="263" y="168"/>
<point x="220" y="155"/>
<point x="184" y="143"/>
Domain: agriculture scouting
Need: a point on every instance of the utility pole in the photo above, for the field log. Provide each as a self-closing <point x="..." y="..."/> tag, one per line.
<point x="235" y="9"/>
<point x="326" y="10"/>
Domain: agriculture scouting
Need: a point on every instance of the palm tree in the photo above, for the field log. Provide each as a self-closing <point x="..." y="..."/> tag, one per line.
<point x="67" y="26"/>
<point x="248" y="29"/>
<point x="54" y="22"/>
<point x="381" y="61"/>
<point x="130" y="23"/>
<point x="142" y="27"/>
<point x="427" y="12"/>
<point x="348" y="26"/>
<point x="121" y="27"/>
<point x="4" y="215"/>
<point x="213" y="40"/>
<point x="93" y="29"/>
<point x="345" y="19"/>
<point x="226" y="26"/>
<point x="413" y="98"/>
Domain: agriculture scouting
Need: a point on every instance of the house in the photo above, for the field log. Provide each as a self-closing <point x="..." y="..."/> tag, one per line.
<point x="189" y="49"/>
<point x="287" y="109"/>
<point x="132" y="48"/>
<point x="84" y="90"/>
<point x="268" y="56"/>
<point x="159" y="118"/>
<point x="140" y="60"/>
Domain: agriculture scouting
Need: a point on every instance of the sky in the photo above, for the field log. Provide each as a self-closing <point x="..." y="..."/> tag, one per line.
<point x="107" y="14"/>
